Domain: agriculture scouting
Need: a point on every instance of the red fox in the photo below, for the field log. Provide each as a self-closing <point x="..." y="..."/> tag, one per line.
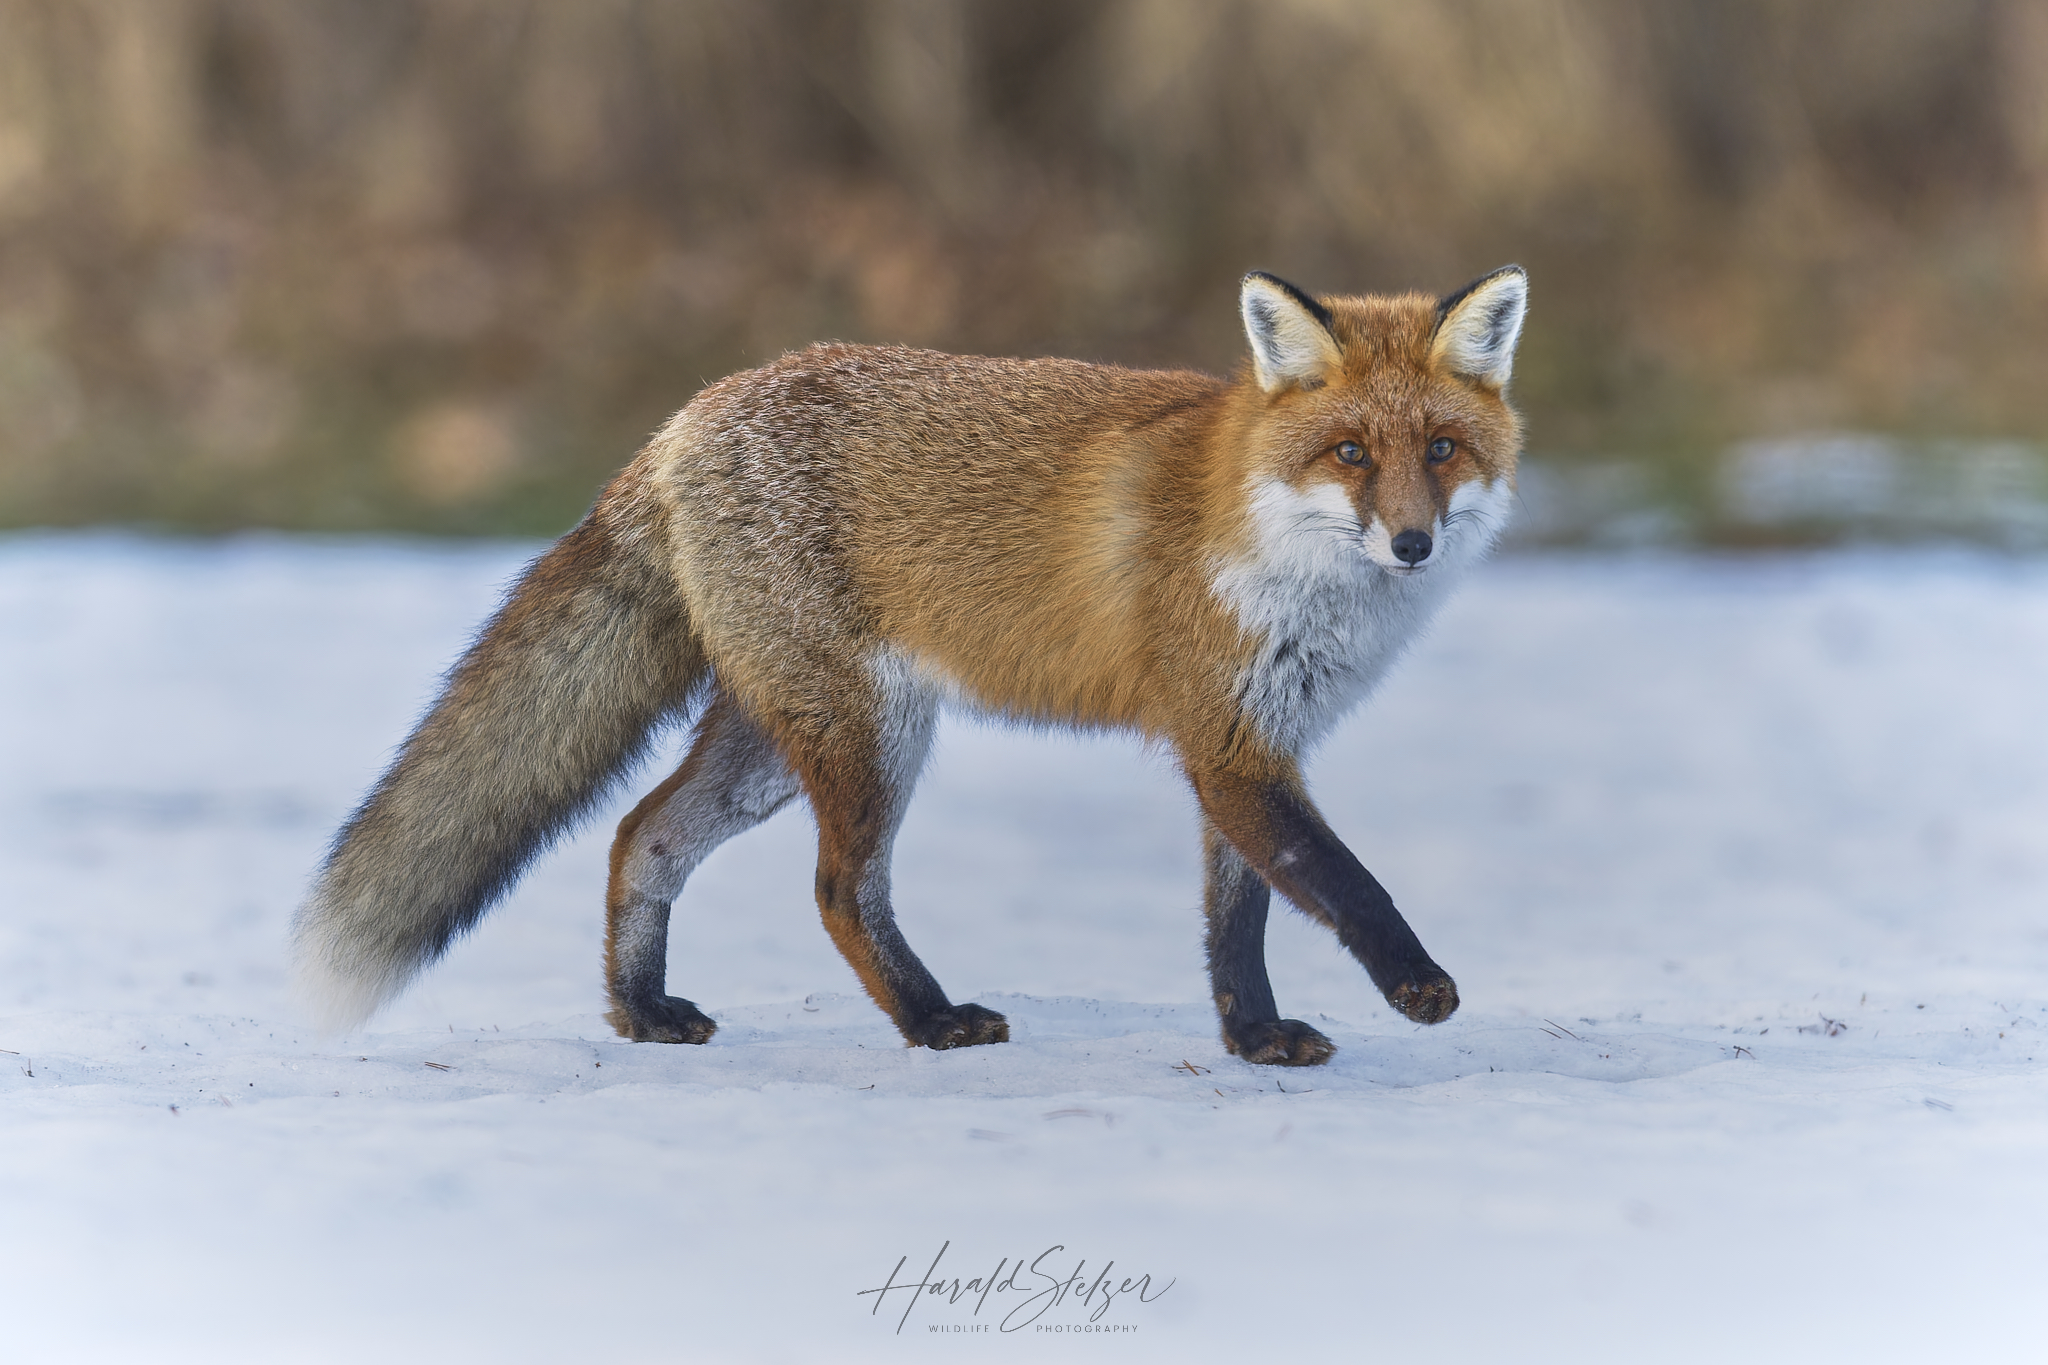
<point x="815" y="556"/>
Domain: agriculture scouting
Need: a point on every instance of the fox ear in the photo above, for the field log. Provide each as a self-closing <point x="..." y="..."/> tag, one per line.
<point x="1477" y="327"/>
<point x="1289" y="333"/>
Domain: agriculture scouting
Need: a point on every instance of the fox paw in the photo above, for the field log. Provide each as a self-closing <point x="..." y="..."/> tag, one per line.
<point x="1279" y="1042"/>
<point x="1427" y="997"/>
<point x="960" y="1026"/>
<point x="665" y="1019"/>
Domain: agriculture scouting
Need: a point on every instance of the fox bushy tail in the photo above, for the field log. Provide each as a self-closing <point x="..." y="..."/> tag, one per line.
<point x="592" y="649"/>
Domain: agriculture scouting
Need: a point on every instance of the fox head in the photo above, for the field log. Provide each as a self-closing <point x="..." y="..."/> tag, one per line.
<point x="1385" y="421"/>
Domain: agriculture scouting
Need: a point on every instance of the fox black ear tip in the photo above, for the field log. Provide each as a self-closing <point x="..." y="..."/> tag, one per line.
<point x="1491" y="278"/>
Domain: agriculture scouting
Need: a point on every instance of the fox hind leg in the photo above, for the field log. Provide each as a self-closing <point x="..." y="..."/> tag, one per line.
<point x="732" y="779"/>
<point x="858" y="770"/>
<point x="1235" y="900"/>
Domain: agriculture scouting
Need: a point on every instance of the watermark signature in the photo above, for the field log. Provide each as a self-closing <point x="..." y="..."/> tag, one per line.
<point x="1043" y="1282"/>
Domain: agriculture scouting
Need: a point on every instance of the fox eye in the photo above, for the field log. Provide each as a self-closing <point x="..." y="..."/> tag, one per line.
<point x="1441" y="449"/>
<point x="1351" y="452"/>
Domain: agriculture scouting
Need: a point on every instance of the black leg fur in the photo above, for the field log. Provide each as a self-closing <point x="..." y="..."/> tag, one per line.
<point x="1235" y="901"/>
<point x="1286" y="842"/>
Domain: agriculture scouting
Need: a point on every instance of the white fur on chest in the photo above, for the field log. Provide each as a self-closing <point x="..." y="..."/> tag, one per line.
<point x="1329" y="621"/>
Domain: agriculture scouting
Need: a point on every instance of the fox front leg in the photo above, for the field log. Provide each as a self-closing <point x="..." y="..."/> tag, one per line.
<point x="1235" y="900"/>
<point x="1270" y="822"/>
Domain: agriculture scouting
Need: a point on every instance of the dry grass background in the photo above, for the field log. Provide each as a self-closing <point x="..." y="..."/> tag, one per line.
<point x="440" y="264"/>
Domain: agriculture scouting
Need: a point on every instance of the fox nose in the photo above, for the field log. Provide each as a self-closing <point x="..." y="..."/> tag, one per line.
<point x="1412" y="547"/>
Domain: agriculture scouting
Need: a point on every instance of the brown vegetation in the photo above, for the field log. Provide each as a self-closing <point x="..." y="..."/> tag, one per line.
<point x="442" y="263"/>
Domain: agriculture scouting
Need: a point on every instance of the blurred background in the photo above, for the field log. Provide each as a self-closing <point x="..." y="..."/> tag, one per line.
<point x="440" y="265"/>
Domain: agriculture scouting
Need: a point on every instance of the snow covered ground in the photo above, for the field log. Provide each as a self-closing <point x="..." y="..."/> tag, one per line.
<point x="1741" y="866"/>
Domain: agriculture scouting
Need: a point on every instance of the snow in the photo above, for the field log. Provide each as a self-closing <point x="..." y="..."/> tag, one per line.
<point x="1740" y="866"/>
